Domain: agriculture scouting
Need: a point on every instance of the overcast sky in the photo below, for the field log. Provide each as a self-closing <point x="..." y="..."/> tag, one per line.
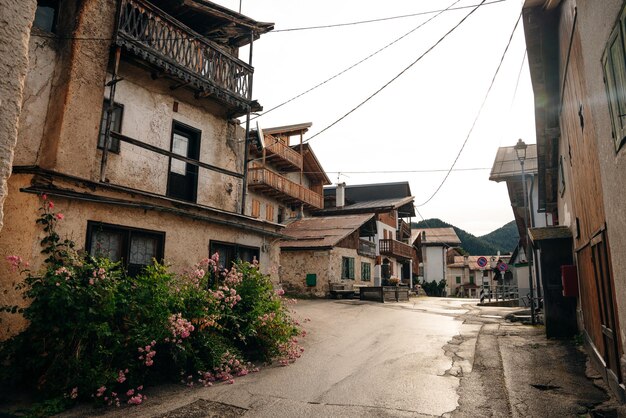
<point x="420" y="121"/>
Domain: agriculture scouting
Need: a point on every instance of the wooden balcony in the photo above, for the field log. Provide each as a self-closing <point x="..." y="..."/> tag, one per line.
<point x="367" y="248"/>
<point x="281" y="155"/>
<point x="404" y="230"/>
<point x="177" y="51"/>
<point x="275" y="185"/>
<point x="395" y="248"/>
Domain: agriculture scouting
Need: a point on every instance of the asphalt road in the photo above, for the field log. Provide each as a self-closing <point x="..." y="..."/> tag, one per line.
<point x="361" y="359"/>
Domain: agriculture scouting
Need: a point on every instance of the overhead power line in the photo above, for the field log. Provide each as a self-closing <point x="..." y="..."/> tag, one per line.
<point x="382" y="19"/>
<point x="397" y="75"/>
<point x="469" y="133"/>
<point x="357" y="63"/>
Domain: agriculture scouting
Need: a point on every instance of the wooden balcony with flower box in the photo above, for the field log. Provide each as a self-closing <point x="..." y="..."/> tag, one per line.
<point x="395" y="248"/>
<point x="172" y="49"/>
<point x="273" y="184"/>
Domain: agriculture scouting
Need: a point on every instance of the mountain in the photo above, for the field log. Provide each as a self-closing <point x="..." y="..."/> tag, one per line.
<point x="503" y="239"/>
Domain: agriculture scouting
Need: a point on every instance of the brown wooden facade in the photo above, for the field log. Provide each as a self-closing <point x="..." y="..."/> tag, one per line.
<point x="570" y="173"/>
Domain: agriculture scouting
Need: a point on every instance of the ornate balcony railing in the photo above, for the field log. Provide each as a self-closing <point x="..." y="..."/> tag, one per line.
<point x="367" y="248"/>
<point x="282" y="151"/>
<point x="266" y="180"/>
<point x="395" y="248"/>
<point x="167" y="44"/>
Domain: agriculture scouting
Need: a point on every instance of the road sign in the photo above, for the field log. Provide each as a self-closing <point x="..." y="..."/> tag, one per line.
<point x="502" y="267"/>
<point x="482" y="262"/>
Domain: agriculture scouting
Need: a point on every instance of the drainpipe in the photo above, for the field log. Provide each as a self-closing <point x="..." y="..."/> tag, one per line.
<point x="246" y="141"/>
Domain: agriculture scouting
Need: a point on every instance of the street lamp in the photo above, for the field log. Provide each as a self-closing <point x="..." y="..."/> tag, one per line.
<point x="520" y="151"/>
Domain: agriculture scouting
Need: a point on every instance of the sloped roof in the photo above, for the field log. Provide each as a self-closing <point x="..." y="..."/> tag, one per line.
<point x="373" y="206"/>
<point x="322" y="232"/>
<point x="311" y="164"/>
<point x="299" y="128"/>
<point x="507" y="166"/>
<point x="549" y="232"/>
<point x="435" y="236"/>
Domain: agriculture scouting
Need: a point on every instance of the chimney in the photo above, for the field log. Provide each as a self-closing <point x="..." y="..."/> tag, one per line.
<point x="423" y="235"/>
<point x="340" y="195"/>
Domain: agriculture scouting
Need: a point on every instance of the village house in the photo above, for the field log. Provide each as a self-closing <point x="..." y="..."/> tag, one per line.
<point x="285" y="179"/>
<point x="326" y="251"/>
<point x="432" y="245"/>
<point x="129" y="122"/>
<point x="392" y="203"/>
<point x="466" y="278"/>
<point x="576" y="51"/>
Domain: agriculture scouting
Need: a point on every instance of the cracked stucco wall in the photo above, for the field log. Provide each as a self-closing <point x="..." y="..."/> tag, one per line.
<point x="15" y="23"/>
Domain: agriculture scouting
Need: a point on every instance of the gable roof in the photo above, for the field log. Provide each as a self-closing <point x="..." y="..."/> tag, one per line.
<point x="322" y="232"/>
<point x="372" y="198"/>
<point x="434" y="236"/>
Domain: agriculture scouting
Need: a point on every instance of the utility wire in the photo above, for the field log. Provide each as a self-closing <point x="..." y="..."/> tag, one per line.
<point x="477" y="115"/>
<point x="397" y="75"/>
<point x="354" y="65"/>
<point x="393" y="171"/>
<point x="379" y="20"/>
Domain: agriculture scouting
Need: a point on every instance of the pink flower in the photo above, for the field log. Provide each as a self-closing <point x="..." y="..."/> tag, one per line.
<point x="74" y="393"/>
<point x="280" y="292"/>
<point x="44" y="196"/>
<point x="50" y="204"/>
<point x="60" y="216"/>
<point x="140" y="387"/>
<point x="130" y="392"/>
<point x="14" y="261"/>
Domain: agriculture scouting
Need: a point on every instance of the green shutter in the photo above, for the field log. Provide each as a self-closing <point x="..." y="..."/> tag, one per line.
<point x="311" y="279"/>
<point x="351" y="268"/>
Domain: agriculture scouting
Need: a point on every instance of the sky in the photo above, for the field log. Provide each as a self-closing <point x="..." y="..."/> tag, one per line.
<point x="420" y="121"/>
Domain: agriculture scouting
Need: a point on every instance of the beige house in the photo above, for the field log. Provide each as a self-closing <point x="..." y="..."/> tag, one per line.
<point x="328" y="250"/>
<point x="465" y="277"/>
<point x="134" y="134"/>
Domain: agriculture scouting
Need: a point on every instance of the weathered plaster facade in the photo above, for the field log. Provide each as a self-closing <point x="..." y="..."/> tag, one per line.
<point x="325" y="263"/>
<point x="15" y="23"/>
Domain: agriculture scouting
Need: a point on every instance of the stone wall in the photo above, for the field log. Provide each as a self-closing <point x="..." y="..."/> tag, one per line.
<point x="15" y="24"/>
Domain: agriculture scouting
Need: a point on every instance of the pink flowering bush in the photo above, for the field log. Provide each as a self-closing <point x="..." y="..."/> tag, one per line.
<point x="98" y="334"/>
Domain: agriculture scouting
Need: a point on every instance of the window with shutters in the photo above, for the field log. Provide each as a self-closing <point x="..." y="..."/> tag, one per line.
<point x="614" y="66"/>
<point x="134" y="248"/>
<point x="256" y="208"/>
<point x="116" y="125"/>
<point x="366" y="272"/>
<point x="269" y="212"/>
<point x="458" y="279"/>
<point x="347" y="268"/>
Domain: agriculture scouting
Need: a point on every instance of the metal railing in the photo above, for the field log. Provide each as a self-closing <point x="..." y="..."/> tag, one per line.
<point x="166" y="43"/>
<point x="499" y="293"/>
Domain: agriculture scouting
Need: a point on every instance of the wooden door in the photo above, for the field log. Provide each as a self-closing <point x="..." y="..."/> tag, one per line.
<point x="608" y="317"/>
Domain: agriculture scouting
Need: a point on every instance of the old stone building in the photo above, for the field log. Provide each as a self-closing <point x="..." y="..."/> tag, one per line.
<point x="129" y="122"/>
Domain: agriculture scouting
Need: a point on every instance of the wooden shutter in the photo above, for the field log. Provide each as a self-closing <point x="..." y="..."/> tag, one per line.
<point x="614" y="67"/>
<point x="269" y="212"/>
<point x="256" y="208"/>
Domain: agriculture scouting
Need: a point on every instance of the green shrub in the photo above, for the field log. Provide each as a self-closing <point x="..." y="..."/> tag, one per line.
<point x="96" y="333"/>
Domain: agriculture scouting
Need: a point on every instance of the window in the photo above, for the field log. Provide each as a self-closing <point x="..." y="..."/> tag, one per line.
<point x="231" y="253"/>
<point x="458" y="279"/>
<point x="256" y="208"/>
<point x="269" y="212"/>
<point x="471" y="279"/>
<point x="46" y="15"/>
<point x="134" y="247"/>
<point x="116" y="125"/>
<point x="615" y="81"/>
<point x="182" y="182"/>
<point x="347" y="268"/>
<point x="366" y="272"/>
